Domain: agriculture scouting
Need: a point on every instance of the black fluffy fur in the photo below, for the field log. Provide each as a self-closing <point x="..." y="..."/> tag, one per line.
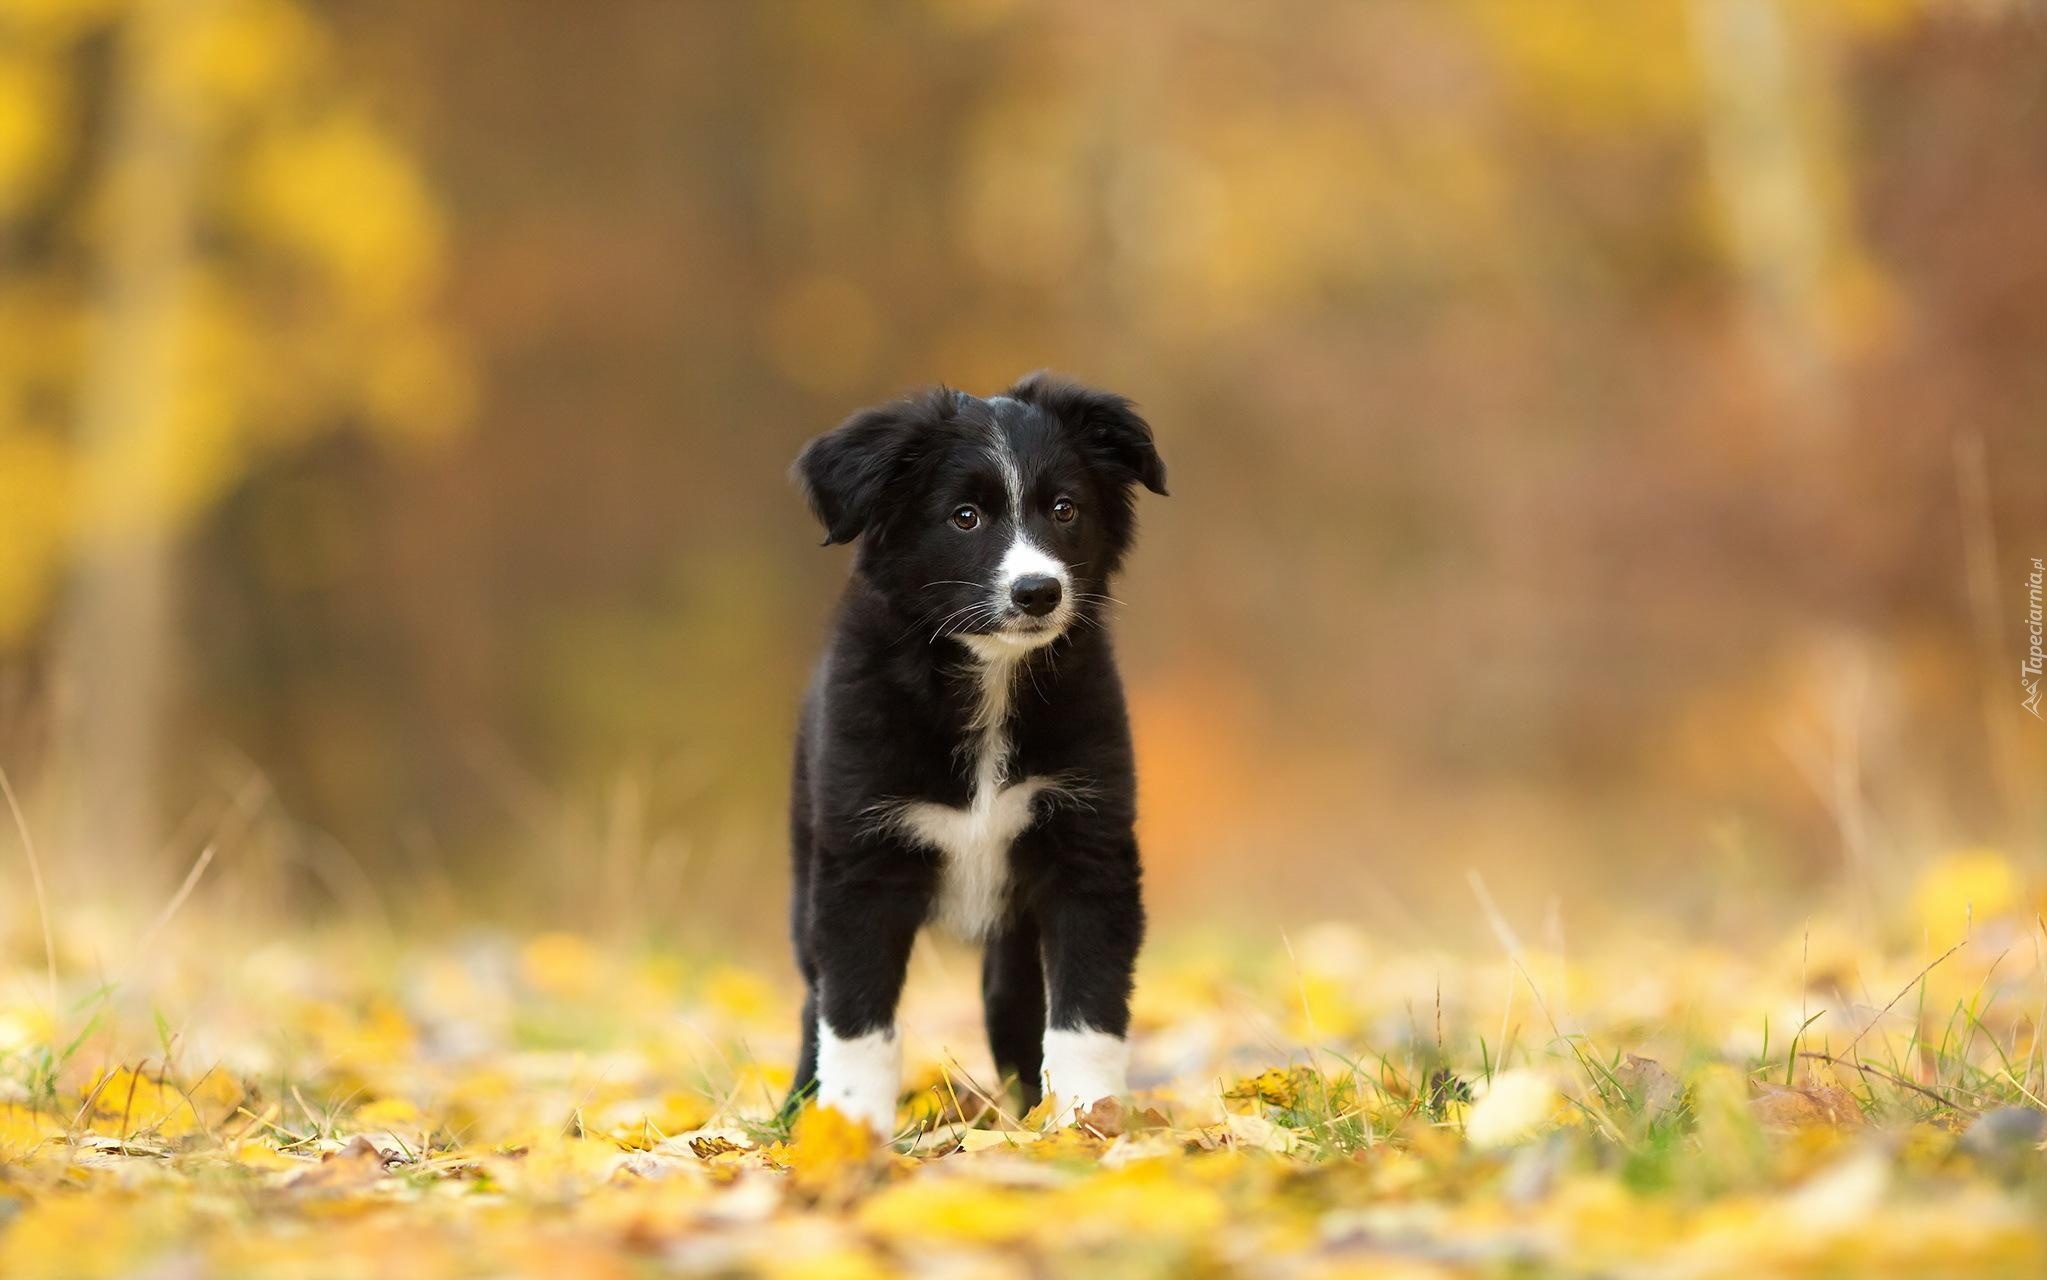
<point x="887" y="715"/>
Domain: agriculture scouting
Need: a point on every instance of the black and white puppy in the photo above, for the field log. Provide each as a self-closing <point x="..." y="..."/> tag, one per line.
<point x="964" y="758"/>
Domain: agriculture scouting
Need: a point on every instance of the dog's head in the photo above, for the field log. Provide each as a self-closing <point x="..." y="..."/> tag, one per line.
<point x="998" y="521"/>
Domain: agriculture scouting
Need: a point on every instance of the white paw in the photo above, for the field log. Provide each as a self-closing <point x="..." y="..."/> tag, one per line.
<point x="861" y="1076"/>
<point x="1083" y="1067"/>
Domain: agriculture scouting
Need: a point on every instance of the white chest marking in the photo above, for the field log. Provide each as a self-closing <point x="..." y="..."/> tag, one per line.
<point x="975" y="840"/>
<point x="974" y="880"/>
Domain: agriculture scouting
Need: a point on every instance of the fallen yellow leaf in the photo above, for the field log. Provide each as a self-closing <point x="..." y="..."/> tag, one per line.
<point x="950" y="1209"/>
<point x="829" y="1152"/>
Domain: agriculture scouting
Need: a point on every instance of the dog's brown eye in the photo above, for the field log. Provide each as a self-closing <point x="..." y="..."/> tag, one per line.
<point x="1063" y="511"/>
<point x="966" y="518"/>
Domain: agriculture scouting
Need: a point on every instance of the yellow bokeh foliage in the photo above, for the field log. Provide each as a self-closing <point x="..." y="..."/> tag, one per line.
<point x="290" y="284"/>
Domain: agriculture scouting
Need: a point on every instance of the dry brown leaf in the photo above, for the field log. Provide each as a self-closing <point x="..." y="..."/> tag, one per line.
<point x="1649" y="1085"/>
<point x="1840" y="1107"/>
<point x="1104" y="1118"/>
<point x="704" y="1148"/>
<point x="356" y="1165"/>
<point x="1149" y="1118"/>
<point x="1808" y="1107"/>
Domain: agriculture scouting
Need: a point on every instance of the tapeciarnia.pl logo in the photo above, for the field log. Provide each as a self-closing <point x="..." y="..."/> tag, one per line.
<point x="2036" y="657"/>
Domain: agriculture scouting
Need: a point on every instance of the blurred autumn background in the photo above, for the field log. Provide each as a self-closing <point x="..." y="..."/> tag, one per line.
<point x="1608" y="441"/>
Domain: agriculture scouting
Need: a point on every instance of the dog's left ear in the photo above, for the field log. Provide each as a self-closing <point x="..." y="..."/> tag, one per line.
<point x="1104" y="423"/>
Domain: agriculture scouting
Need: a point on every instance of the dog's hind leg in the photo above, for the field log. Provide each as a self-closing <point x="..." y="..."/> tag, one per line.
<point x="802" y="855"/>
<point x="804" y="1083"/>
<point x="1013" y="1003"/>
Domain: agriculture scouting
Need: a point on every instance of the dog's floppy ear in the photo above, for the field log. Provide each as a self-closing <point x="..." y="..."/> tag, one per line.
<point x="1104" y="424"/>
<point x="846" y="473"/>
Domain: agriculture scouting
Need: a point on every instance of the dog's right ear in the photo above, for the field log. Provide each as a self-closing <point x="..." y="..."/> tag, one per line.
<point x="847" y="472"/>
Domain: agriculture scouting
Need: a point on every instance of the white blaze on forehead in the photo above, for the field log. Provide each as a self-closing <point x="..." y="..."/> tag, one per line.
<point x="860" y="1075"/>
<point x="1023" y="559"/>
<point x="1006" y="461"/>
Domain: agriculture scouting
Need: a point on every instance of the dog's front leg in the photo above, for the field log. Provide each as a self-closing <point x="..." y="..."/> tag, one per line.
<point x="1092" y="919"/>
<point x="863" y="923"/>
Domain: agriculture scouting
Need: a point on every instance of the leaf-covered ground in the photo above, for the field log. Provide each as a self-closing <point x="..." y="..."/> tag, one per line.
<point x="1310" y="1104"/>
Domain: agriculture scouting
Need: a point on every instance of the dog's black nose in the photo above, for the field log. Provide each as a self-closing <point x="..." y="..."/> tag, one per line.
<point x="1036" y="595"/>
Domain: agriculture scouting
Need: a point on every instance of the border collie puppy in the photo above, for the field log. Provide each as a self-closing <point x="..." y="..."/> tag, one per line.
<point x="964" y="756"/>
